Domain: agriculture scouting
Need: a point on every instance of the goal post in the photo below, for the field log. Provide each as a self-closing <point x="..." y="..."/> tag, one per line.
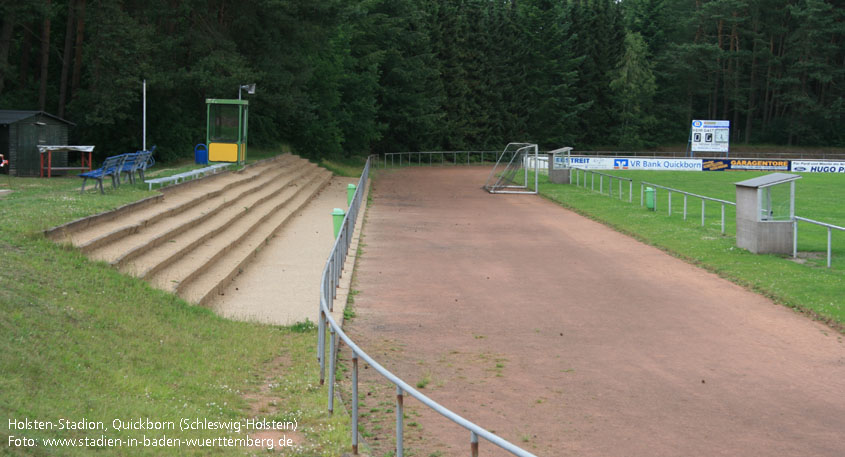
<point x="510" y="174"/>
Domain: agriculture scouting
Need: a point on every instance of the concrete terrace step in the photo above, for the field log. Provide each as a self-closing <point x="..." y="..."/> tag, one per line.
<point x="191" y="255"/>
<point x="179" y="245"/>
<point x="200" y="288"/>
<point x="144" y="237"/>
<point x="176" y="201"/>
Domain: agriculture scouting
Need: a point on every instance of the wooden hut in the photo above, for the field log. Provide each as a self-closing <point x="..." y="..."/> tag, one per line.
<point x="20" y="134"/>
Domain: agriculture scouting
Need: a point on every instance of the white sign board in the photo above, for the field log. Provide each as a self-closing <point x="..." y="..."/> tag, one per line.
<point x="628" y="163"/>
<point x="657" y="164"/>
<point x="710" y="136"/>
<point x="818" y="166"/>
<point x="592" y="163"/>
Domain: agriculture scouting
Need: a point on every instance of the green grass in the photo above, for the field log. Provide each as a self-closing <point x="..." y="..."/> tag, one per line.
<point x="81" y="340"/>
<point x="422" y="383"/>
<point x="350" y="168"/>
<point x="809" y="287"/>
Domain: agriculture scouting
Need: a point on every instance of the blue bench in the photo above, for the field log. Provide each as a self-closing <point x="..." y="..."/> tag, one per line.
<point x="137" y="162"/>
<point x="111" y="167"/>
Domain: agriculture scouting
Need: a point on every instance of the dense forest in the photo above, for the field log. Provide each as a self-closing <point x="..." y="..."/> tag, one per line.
<point x="350" y="77"/>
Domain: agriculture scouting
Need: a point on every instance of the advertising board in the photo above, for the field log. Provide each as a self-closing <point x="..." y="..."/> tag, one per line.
<point x="657" y="164"/>
<point x="627" y="163"/>
<point x="818" y="166"/>
<point x="745" y="165"/>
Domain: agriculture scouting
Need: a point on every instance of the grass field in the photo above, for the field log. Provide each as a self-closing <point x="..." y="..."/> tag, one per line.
<point x="807" y="286"/>
<point x="79" y="340"/>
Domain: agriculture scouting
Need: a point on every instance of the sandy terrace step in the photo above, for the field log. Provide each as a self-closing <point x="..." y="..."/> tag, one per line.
<point x="200" y="287"/>
<point x="223" y="228"/>
<point x="176" y="200"/>
<point x="144" y="237"/>
<point x="194" y="264"/>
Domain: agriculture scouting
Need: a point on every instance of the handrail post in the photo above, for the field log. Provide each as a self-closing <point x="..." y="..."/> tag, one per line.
<point x="702" y="211"/>
<point x="331" y="370"/>
<point x="794" y="238"/>
<point x="631" y="191"/>
<point x="828" y="246"/>
<point x="723" y="218"/>
<point x="399" y="422"/>
<point x="685" y="206"/>
<point x="473" y="444"/>
<point x="354" y="403"/>
<point x="642" y="193"/>
<point x="670" y="202"/>
<point x="321" y="346"/>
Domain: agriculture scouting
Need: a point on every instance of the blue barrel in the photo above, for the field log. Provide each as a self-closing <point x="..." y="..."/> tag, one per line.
<point x="201" y="154"/>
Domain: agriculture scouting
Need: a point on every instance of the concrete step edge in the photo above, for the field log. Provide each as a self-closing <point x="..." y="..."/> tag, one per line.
<point x="204" y="296"/>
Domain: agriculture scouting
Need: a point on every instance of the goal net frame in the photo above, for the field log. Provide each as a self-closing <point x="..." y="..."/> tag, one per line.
<point x="503" y="178"/>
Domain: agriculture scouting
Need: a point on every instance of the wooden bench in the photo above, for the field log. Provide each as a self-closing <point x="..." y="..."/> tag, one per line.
<point x="177" y="178"/>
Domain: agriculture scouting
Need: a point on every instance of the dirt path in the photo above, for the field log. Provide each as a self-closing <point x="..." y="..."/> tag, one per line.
<point x="282" y="283"/>
<point x="568" y="338"/>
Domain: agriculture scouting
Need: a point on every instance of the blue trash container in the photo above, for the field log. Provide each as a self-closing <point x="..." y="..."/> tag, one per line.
<point x="201" y="154"/>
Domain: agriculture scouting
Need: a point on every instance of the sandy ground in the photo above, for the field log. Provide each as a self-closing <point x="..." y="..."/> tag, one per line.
<point x="568" y="338"/>
<point x="282" y="283"/>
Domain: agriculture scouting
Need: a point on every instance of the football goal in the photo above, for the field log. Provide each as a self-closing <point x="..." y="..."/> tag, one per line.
<point x="511" y="174"/>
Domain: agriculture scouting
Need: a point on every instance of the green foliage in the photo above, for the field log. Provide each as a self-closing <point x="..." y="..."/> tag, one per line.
<point x="338" y="79"/>
<point x="634" y="85"/>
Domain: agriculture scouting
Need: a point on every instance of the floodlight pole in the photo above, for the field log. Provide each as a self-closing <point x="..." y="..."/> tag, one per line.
<point x="250" y="89"/>
<point x="144" y="128"/>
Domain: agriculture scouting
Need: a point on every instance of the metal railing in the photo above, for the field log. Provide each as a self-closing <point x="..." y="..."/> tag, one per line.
<point x="438" y="158"/>
<point x="808" y="155"/>
<point x="593" y="173"/>
<point x="670" y="190"/>
<point x="328" y="291"/>
<point x="830" y="228"/>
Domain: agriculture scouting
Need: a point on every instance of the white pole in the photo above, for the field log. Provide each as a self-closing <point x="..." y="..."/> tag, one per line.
<point x="144" y="128"/>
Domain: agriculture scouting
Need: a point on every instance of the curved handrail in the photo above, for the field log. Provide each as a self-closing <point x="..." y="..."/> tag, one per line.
<point x="331" y="274"/>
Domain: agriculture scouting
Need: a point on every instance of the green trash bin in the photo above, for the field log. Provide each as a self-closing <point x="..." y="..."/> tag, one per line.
<point x="350" y="192"/>
<point x="649" y="198"/>
<point x="337" y="217"/>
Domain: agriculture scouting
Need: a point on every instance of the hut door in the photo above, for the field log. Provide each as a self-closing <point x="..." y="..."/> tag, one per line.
<point x="27" y="153"/>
